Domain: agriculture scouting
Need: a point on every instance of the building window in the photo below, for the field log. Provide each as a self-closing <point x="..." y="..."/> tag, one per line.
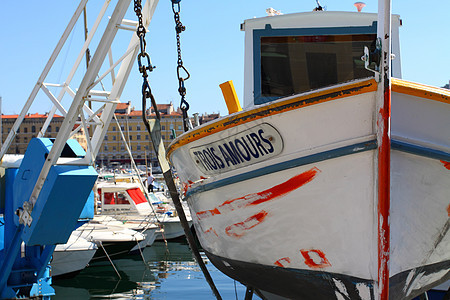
<point x="146" y="147"/>
<point x="33" y="128"/>
<point x="130" y="128"/>
<point x="25" y="139"/>
<point x="122" y="127"/>
<point x="114" y="148"/>
<point x="49" y="128"/>
<point x="18" y="130"/>
<point x="146" y="137"/>
<point x="114" y="137"/>
<point x="171" y="126"/>
<point x="179" y="127"/>
<point x="138" y="147"/>
<point x="163" y="137"/>
<point x="106" y="137"/>
<point x="122" y="148"/>
<point x="163" y="127"/>
<point x="138" y="127"/>
<point x="57" y="129"/>
<point x="25" y="130"/>
<point x="106" y="148"/>
<point x="138" y="137"/>
<point x="114" y="128"/>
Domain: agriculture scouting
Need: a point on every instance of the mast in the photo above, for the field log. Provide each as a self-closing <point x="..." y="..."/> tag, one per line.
<point x="383" y="129"/>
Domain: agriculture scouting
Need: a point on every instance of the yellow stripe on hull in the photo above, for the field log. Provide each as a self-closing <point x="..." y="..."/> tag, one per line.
<point x="275" y="108"/>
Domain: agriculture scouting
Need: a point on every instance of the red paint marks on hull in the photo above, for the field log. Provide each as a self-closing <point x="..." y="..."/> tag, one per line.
<point x="264" y="196"/>
<point x="318" y="255"/>
<point x="446" y="164"/>
<point x="211" y="231"/>
<point x="239" y="229"/>
<point x="448" y="210"/>
<point x="282" y="262"/>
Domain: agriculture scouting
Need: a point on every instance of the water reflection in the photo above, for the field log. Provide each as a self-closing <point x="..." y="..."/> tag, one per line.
<point x="168" y="273"/>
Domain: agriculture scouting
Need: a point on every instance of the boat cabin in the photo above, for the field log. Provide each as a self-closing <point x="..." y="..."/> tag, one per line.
<point x="295" y="53"/>
<point x="123" y="198"/>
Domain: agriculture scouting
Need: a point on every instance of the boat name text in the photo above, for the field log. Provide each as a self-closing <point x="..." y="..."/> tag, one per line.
<point x="244" y="148"/>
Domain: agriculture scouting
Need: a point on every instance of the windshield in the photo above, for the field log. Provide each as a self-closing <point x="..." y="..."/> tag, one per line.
<point x="295" y="64"/>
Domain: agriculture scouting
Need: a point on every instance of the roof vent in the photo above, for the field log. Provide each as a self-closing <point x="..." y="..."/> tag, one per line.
<point x="359" y="5"/>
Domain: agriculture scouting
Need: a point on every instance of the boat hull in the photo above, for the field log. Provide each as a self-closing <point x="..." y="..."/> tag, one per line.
<point x="301" y="200"/>
<point x="69" y="263"/>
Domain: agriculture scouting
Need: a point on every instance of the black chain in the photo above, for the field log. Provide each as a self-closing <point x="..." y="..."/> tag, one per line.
<point x="143" y="58"/>
<point x="179" y="28"/>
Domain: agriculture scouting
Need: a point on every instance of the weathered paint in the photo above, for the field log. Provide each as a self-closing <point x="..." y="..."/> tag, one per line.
<point x="384" y="159"/>
<point x="420" y="90"/>
<point x="278" y="107"/>
<point x="239" y="229"/>
<point x="446" y="164"/>
<point x="261" y="197"/>
<point x="211" y="231"/>
<point x="282" y="262"/>
<point x="309" y="261"/>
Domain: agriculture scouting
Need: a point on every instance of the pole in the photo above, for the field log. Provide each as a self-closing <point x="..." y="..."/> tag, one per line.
<point x="383" y="107"/>
<point x="88" y="57"/>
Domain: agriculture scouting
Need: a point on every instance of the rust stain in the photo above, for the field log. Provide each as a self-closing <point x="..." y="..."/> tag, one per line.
<point x="239" y="229"/>
<point x="448" y="210"/>
<point x="282" y="262"/>
<point x="309" y="261"/>
<point x="264" y="196"/>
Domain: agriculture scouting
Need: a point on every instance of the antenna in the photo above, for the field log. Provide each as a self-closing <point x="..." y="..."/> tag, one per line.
<point x="359" y="5"/>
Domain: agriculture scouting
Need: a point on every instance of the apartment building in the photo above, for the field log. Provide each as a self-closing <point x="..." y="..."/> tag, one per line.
<point x="113" y="149"/>
<point x="29" y="129"/>
<point x="129" y="122"/>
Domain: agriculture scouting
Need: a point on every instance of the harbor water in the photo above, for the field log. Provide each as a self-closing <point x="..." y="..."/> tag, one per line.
<point x="168" y="273"/>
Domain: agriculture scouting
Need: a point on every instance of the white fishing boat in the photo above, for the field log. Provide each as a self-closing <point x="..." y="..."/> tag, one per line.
<point x="126" y="202"/>
<point x="333" y="182"/>
<point x="70" y="258"/>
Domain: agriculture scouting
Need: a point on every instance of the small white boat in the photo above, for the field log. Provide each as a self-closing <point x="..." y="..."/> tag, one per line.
<point x="72" y="257"/>
<point x="126" y="202"/>
<point x="148" y="229"/>
<point x="112" y="240"/>
<point x="309" y="192"/>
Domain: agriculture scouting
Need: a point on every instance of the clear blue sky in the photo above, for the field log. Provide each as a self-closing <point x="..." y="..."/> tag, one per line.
<point x="212" y="46"/>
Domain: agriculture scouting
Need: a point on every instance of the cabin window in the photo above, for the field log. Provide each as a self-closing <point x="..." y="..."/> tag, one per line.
<point x="293" y="64"/>
<point x="114" y="198"/>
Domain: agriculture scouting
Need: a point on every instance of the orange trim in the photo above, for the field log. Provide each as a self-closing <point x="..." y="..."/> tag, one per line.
<point x="420" y="90"/>
<point x="274" y="108"/>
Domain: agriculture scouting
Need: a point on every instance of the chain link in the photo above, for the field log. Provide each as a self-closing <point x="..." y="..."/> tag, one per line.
<point x="144" y="63"/>
<point x="179" y="28"/>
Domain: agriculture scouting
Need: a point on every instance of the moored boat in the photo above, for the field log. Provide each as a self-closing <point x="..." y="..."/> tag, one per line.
<point x="70" y="258"/>
<point x="113" y="241"/>
<point x="306" y="194"/>
<point x="127" y="203"/>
